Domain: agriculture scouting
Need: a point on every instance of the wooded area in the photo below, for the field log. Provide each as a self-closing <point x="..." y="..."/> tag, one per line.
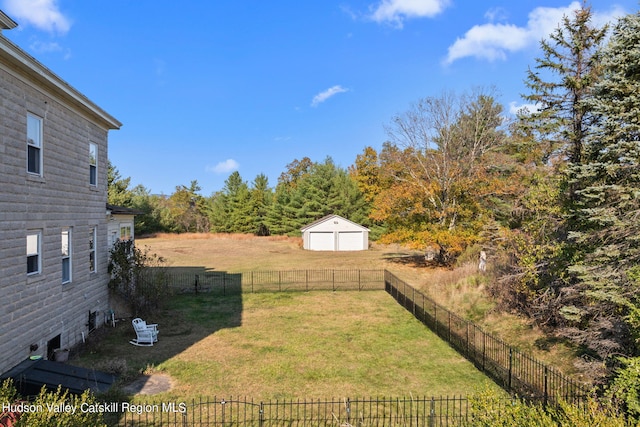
<point x="552" y="196"/>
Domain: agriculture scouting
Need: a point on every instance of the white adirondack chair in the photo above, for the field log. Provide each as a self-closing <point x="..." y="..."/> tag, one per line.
<point x="146" y="334"/>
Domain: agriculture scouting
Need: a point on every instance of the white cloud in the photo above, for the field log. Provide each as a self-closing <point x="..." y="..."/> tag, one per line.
<point x="397" y="11"/>
<point x="49" y="47"/>
<point x="227" y="166"/>
<point x="496" y="14"/>
<point x="523" y="109"/>
<point x="323" y="96"/>
<point x="42" y="14"/>
<point x="44" y="47"/>
<point x="494" y="41"/>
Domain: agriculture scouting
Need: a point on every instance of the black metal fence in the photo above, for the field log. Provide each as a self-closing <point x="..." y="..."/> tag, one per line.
<point x="274" y="281"/>
<point x="422" y="411"/>
<point x="514" y="370"/>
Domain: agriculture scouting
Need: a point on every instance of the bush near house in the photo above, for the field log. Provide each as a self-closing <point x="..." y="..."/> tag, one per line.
<point x="138" y="276"/>
<point x="49" y="408"/>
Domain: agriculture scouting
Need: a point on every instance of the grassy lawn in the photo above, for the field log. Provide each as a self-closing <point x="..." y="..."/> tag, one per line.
<point x="292" y="345"/>
<point x="460" y="289"/>
<point x="309" y="345"/>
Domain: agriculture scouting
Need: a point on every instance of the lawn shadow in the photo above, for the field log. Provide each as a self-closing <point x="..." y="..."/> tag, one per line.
<point x="412" y="259"/>
<point x="202" y="303"/>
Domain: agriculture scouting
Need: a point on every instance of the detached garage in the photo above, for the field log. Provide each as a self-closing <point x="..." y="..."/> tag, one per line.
<point x="334" y="233"/>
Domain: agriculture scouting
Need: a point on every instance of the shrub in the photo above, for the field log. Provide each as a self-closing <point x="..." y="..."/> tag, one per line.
<point x="490" y="410"/>
<point x="50" y="408"/>
<point x="139" y="276"/>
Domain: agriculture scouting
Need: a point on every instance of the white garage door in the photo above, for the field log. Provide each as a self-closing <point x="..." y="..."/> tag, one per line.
<point x="321" y="241"/>
<point x="350" y="241"/>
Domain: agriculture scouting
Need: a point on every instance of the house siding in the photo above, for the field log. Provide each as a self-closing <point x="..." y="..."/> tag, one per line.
<point x="37" y="308"/>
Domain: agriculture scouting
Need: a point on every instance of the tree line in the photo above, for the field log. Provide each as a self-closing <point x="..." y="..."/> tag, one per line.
<point x="305" y="192"/>
<point x="552" y="196"/>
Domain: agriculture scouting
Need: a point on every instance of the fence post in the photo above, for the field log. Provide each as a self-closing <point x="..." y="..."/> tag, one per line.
<point x="546" y="391"/>
<point x="348" y="409"/>
<point x="333" y="280"/>
<point x="467" y="322"/>
<point x="306" y="280"/>
<point x="261" y="415"/>
<point x="413" y="301"/>
<point x="432" y="413"/>
<point x="359" y="288"/>
<point x="484" y="350"/>
<point x="510" y="368"/>
<point x="435" y="317"/>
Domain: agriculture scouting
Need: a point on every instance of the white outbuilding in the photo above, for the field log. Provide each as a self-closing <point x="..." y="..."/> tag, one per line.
<point x="335" y="233"/>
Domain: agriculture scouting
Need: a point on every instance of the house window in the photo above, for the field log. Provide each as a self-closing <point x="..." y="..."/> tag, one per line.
<point x="34" y="248"/>
<point x="125" y="232"/>
<point x="92" y="250"/>
<point x="93" y="164"/>
<point x="34" y="144"/>
<point x="66" y="255"/>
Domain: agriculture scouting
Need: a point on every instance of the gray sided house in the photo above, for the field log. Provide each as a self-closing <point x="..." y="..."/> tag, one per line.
<point x="53" y="223"/>
<point x="335" y="233"/>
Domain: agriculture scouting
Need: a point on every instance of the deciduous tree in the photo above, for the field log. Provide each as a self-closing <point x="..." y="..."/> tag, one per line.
<point x="434" y="170"/>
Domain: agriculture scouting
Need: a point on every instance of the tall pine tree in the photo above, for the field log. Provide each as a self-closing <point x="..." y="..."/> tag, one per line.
<point x="607" y="230"/>
<point x="562" y="82"/>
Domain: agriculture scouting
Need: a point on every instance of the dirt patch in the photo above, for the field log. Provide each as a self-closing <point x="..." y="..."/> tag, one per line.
<point x="149" y="384"/>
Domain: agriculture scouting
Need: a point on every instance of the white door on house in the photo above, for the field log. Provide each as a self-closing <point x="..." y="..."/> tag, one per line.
<point x="350" y="241"/>
<point x="321" y="241"/>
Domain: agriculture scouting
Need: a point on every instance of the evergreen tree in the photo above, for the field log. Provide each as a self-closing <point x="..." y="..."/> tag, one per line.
<point x="231" y="210"/>
<point x="562" y="83"/>
<point x="606" y="235"/>
<point x="261" y="199"/>
<point x="151" y="207"/>
<point x="321" y="189"/>
<point x="117" y="187"/>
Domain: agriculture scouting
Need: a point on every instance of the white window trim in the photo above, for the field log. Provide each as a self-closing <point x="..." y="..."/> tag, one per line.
<point x="38" y="251"/>
<point x="68" y="256"/>
<point x="39" y="146"/>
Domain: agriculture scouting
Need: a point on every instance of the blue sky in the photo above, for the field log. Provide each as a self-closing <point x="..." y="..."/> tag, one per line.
<point x="204" y="88"/>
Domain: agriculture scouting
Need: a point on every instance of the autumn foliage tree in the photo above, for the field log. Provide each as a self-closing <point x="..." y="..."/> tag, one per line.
<point x="438" y="171"/>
